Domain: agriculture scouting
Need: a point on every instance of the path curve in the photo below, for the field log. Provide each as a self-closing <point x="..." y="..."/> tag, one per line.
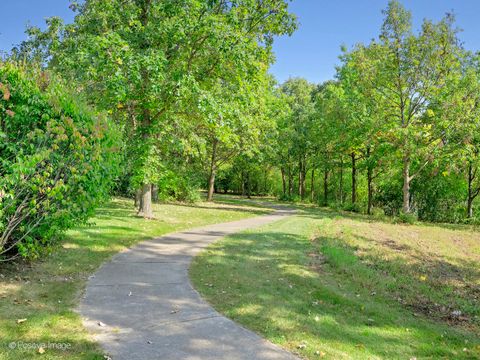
<point x="141" y="304"/>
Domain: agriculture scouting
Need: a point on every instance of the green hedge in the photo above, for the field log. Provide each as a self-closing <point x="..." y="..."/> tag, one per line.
<point x="57" y="161"/>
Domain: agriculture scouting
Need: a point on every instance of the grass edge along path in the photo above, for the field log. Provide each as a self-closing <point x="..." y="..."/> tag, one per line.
<point x="297" y="284"/>
<point x="38" y="300"/>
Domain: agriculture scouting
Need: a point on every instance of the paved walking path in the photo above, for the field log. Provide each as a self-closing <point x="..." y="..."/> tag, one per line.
<point x="141" y="305"/>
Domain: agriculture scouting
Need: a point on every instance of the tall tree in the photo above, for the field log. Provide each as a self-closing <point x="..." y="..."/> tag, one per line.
<point x="298" y="93"/>
<point x="148" y="60"/>
<point x="407" y="72"/>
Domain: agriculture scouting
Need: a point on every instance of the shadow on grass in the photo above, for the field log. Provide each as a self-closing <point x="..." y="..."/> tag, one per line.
<point x="278" y="284"/>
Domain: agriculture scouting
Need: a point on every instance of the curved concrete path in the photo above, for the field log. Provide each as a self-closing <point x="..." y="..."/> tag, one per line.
<point x="141" y="305"/>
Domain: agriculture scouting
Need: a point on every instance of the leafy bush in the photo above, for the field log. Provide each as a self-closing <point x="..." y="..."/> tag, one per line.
<point x="404" y="218"/>
<point x="352" y="207"/>
<point x="177" y="185"/>
<point x="440" y="197"/>
<point x="57" y="161"/>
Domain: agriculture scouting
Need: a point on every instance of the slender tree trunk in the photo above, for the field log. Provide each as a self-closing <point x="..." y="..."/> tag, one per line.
<point x="211" y="185"/>
<point x="312" y="186"/>
<point x="370" y="190"/>
<point x="300" y="178"/>
<point x="471" y="196"/>
<point x="369" y="183"/>
<point x="211" y="179"/>
<point x="325" y="187"/>
<point x="354" y="178"/>
<point x="290" y="182"/>
<point x="146" y="202"/>
<point x="284" y="182"/>
<point x="341" y="181"/>
<point x="265" y="175"/>
<point x="146" y="195"/>
<point x="304" y="177"/>
<point x="243" y="183"/>
<point x="406" y="184"/>
<point x="249" y="190"/>
<point x="469" y="208"/>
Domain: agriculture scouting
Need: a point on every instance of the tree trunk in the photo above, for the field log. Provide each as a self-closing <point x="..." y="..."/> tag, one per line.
<point x="406" y="185"/>
<point x="471" y="197"/>
<point x="341" y="181"/>
<point x="211" y="185"/>
<point x="138" y="198"/>
<point x="284" y="182"/>
<point x="265" y="180"/>
<point x="290" y="182"/>
<point x="325" y="187"/>
<point x="370" y="190"/>
<point x="300" y="179"/>
<point x="354" y="179"/>
<point x="146" y="193"/>
<point x="211" y="178"/>
<point x="469" y="208"/>
<point x="146" y="202"/>
<point x="304" y="177"/>
<point x="242" y="180"/>
<point x="312" y="186"/>
<point x="369" y="183"/>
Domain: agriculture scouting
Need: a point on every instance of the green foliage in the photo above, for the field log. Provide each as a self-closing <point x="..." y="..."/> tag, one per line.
<point x="58" y="160"/>
<point x="192" y="71"/>
<point x="397" y="130"/>
<point x="440" y="198"/>
<point x="406" y="218"/>
<point x="178" y="184"/>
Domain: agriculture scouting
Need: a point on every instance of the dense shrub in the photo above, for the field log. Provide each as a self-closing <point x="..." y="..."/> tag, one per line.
<point x="57" y="161"/>
<point x="440" y="197"/>
<point x="177" y="184"/>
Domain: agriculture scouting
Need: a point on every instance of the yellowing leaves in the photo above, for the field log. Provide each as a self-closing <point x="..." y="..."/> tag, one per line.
<point x="6" y="92"/>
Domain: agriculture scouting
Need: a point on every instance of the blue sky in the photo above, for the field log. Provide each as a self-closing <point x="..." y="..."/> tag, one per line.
<point x="312" y="52"/>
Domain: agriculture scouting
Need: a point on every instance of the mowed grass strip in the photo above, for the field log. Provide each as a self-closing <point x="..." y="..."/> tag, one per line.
<point x="46" y="292"/>
<point x="340" y="286"/>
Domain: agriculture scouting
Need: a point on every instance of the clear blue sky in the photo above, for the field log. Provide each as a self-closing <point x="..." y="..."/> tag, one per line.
<point x="312" y="52"/>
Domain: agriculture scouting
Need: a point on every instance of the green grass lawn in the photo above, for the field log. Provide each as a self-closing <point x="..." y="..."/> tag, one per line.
<point x="341" y="286"/>
<point x="46" y="292"/>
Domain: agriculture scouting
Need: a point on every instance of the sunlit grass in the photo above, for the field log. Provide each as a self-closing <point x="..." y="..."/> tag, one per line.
<point x="46" y="292"/>
<point x="327" y="285"/>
